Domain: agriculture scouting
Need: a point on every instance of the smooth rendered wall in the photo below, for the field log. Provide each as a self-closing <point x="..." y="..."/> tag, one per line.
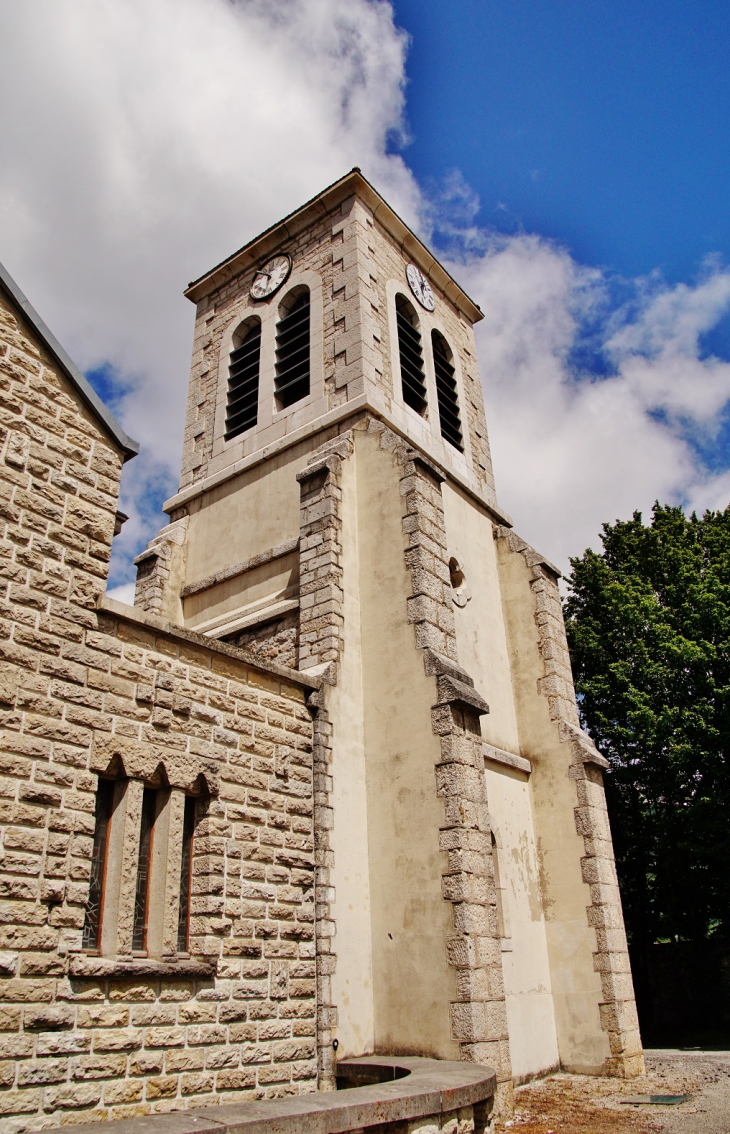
<point x="483" y="652"/>
<point x="413" y="983"/>
<point x="352" y="981"/>
<point x="246" y="515"/>
<point x="480" y="631"/>
<point x="576" y="987"/>
<point x="525" y="964"/>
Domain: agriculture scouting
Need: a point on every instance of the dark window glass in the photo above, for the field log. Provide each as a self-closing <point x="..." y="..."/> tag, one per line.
<point x="411" y="356"/>
<point x="141" y="899"/>
<point x="243" y="384"/>
<point x="292" y="353"/>
<point x="91" y="938"/>
<point x="186" y="876"/>
<point x="448" y="399"/>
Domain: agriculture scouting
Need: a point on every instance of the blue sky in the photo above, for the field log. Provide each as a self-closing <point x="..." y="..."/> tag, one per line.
<point x="602" y="125"/>
<point x="569" y="160"/>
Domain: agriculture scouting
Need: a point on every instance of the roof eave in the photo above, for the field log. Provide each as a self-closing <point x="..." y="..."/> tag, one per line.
<point x="352" y="183"/>
<point x="88" y="395"/>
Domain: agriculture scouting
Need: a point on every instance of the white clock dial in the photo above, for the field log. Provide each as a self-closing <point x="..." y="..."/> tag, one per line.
<point x="420" y="287"/>
<point x="270" y="277"/>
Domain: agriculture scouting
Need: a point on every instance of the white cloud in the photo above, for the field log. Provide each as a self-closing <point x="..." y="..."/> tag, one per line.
<point x="143" y="142"/>
<point x="123" y="593"/>
<point x="572" y="450"/>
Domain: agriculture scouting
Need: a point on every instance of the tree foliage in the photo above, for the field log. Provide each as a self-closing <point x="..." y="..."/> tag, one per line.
<point x="648" y="625"/>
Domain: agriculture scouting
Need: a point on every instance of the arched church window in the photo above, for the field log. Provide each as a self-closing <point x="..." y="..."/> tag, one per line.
<point x="137" y="879"/>
<point x="292" y="349"/>
<point x="243" y="380"/>
<point x="448" y="398"/>
<point x="411" y="355"/>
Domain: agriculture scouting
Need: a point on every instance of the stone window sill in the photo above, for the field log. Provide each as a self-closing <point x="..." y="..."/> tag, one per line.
<point x="94" y="968"/>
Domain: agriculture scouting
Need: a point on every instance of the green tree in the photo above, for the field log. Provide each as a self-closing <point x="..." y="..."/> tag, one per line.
<point x="648" y="625"/>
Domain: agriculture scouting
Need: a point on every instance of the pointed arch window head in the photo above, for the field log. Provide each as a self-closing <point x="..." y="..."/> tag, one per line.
<point x="243" y="380"/>
<point x="411" y="356"/>
<point x="292" y="349"/>
<point x="446" y="391"/>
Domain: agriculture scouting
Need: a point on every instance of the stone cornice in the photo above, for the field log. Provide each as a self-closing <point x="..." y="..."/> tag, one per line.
<point x="354" y="409"/>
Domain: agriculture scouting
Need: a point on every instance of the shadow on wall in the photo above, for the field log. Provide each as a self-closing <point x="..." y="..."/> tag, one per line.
<point x="683" y="993"/>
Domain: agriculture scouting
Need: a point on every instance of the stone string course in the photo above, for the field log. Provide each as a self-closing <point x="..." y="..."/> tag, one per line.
<point x="611" y="959"/>
<point x="79" y="685"/>
<point x="235" y="569"/>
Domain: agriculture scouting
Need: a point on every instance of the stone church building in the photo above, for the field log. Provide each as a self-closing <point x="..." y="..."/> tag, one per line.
<point x="323" y="791"/>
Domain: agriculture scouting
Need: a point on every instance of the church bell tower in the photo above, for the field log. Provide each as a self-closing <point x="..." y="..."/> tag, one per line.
<point x="337" y="514"/>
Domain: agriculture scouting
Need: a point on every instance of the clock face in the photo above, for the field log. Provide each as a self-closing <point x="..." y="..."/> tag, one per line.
<point x="420" y="287"/>
<point x="270" y="277"/>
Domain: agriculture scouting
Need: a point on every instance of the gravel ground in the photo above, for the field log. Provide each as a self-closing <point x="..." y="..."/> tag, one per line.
<point x="581" y="1104"/>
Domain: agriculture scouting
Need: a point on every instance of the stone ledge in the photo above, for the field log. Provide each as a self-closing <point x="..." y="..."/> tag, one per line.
<point x="361" y="406"/>
<point x="94" y="968"/>
<point x="509" y="759"/>
<point x="451" y="691"/>
<point x="277" y="552"/>
<point x="440" y="665"/>
<point x="330" y="462"/>
<point x="583" y="748"/>
<point x="428" y="466"/>
<point x="428" y="1087"/>
<point x="235" y="620"/>
<point x="151" y="622"/>
<point x="148" y="553"/>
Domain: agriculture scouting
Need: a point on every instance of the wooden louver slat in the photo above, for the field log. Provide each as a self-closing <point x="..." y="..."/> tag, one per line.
<point x="446" y="392"/>
<point x="292" y="354"/>
<point x="411" y="362"/>
<point x="243" y="384"/>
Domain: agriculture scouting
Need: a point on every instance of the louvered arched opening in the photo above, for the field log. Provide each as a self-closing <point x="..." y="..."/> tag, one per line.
<point x="446" y="391"/>
<point x="292" y="349"/>
<point x="411" y="355"/>
<point x="244" y="365"/>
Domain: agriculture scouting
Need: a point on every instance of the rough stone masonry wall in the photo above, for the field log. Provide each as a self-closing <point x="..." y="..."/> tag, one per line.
<point x="611" y="959"/>
<point x="274" y="641"/>
<point x="78" y="690"/>
<point x="87" y="1035"/>
<point x="59" y="483"/>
